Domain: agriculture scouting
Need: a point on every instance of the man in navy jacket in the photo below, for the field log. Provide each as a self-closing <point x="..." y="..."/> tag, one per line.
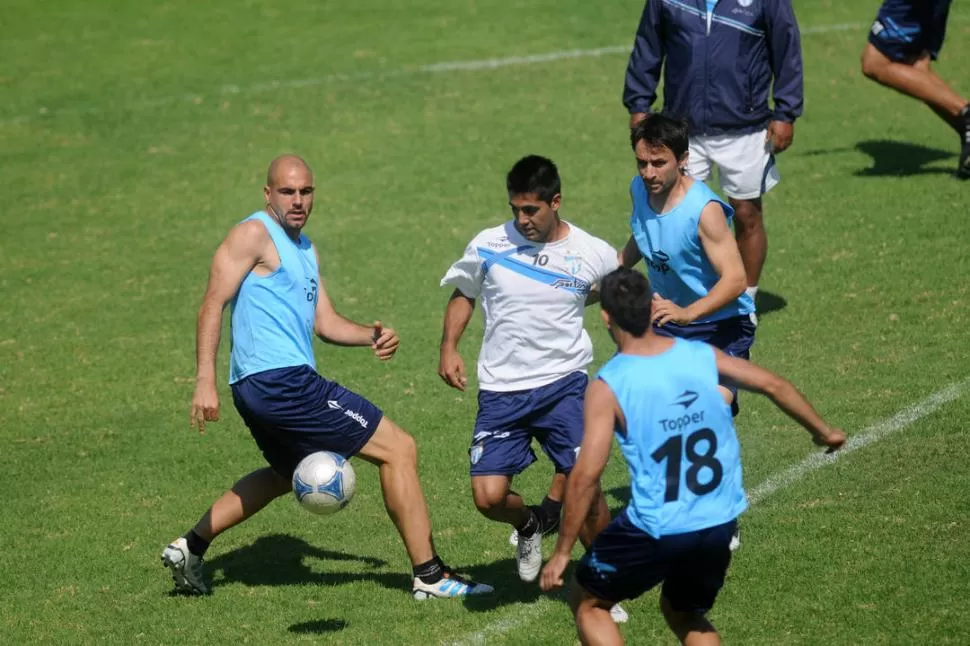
<point x="721" y="59"/>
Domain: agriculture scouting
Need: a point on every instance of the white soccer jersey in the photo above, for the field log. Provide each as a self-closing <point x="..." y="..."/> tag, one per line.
<point x="533" y="296"/>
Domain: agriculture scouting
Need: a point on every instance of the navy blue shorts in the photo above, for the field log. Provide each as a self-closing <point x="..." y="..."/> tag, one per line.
<point x="507" y="422"/>
<point x="905" y="29"/>
<point x="734" y="336"/>
<point x="293" y="412"/>
<point x="624" y="562"/>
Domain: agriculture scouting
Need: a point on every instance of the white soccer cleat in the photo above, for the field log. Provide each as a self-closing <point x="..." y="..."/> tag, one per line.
<point x="450" y="586"/>
<point x="528" y="557"/>
<point x="186" y="567"/>
<point x="514" y="538"/>
<point x="618" y="614"/>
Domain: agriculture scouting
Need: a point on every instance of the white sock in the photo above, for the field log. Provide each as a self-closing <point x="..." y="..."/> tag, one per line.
<point x="751" y="291"/>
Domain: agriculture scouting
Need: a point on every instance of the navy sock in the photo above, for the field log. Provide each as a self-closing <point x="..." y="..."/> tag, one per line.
<point x="531" y="525"/>
<point x="430" y="572"/>
<point x="197" y="544"/>
<point x="551" y="510"/>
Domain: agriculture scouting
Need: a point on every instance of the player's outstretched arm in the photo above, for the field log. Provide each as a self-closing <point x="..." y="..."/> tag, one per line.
<point x="600" y="413"/>
<point x="783" y="393"/>
<point x="458" y="313"/>
<point x="236" y="256"/>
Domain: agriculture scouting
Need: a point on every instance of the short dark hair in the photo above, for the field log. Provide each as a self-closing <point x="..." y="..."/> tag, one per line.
<point x="661" y="130"/>
<point x="625" y="295"/>
<point x="534" y="174"/>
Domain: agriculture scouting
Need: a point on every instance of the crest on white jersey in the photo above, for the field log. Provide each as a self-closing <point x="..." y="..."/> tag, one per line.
<point x="574" y="261"/>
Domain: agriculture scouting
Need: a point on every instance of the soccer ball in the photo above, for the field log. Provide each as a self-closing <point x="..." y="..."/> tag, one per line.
<point x="324" y="482"/>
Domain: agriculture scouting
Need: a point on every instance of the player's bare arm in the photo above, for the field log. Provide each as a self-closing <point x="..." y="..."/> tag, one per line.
<point x="243" y="249"/>
<point x="722" y="251"/>
<point x="783" y="393"/>
<point x="600" y="415"/>
<point x="458" y="313"/>
<point x="630" y="255"/>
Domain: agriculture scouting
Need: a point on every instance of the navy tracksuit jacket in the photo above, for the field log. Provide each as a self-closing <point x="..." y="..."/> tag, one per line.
<point x="718" y="79"/>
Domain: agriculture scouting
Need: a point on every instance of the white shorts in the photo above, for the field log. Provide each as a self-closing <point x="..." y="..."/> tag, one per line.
<point x="745" y="164"/>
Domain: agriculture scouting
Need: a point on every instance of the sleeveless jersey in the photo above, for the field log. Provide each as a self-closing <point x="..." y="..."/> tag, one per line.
<point x="680" y="445"/>
<point x="677" y="266"/>
<point x="272" y="316"/>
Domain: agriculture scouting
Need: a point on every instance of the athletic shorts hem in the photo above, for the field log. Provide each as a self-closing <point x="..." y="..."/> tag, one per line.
<point x="770" y="183"/>
<point x="509" y="474"/>
<point x="614" y="598"/>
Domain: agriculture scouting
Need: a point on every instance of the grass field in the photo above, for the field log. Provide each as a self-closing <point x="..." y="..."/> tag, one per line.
<point x="133" y="135"/>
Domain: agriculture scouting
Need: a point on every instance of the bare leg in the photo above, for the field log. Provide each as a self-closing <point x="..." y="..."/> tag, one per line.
<point x="396" y="455"/>
<point x="247" y="497"/>
<point x="691" y="628"/>
<point x="913" y="79"/>
<point x="495" y="499"/>
<point x="557" y="488"/>
<point x="593" y="621"/>
<point x="749" y="230"/>
<point x="953" y="121"/>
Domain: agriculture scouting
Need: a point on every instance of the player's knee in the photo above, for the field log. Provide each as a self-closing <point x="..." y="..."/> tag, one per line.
<point x="873" y="63"/>
<point x="396" y="447"/>
<point x="747" y="215"/>
<point x="405" y="449"/>
<point x="488" y="495"/>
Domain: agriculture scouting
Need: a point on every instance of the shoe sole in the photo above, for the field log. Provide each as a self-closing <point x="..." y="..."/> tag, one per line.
<point x="424" y="595"/>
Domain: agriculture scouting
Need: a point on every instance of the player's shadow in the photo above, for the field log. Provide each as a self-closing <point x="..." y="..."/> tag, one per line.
<point x="279" y="559"/>
<point x="900" y="159"/>
<point x="318" y="627"/>
<point x="767" y="302"/>
<point x="503" y="576"/>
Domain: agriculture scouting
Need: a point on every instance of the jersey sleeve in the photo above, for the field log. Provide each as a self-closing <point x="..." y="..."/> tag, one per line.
<point x="467" y="273"/>
<point x="606" y="260"/>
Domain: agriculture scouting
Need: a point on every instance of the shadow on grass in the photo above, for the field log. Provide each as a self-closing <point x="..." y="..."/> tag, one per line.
<point x="279" y="559"/>
<point x="318" y="627"/>
<point x="900" y="158"/>
<point x="509" y="589"/>
<point x="767" y="302"/>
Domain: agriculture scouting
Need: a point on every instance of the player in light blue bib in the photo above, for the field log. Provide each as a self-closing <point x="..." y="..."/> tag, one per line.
<point x="268" y="271"/>
<point x="682" y="231"/>
<point x="660" y="396"/>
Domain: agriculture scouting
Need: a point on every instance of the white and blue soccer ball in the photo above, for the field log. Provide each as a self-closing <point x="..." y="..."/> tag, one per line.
<point x="324" y="482"/>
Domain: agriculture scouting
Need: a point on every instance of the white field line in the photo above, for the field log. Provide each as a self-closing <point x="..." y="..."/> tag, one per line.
<point x="874" y="433"/>
<point x="484" y="64"/>
<point x="780" y="480"/>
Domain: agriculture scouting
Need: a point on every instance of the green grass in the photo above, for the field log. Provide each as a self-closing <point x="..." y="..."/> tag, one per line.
<point x="126" y="158"/>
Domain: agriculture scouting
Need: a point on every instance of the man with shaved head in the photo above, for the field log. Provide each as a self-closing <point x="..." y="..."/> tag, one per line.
<point x="268" y="271"/>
